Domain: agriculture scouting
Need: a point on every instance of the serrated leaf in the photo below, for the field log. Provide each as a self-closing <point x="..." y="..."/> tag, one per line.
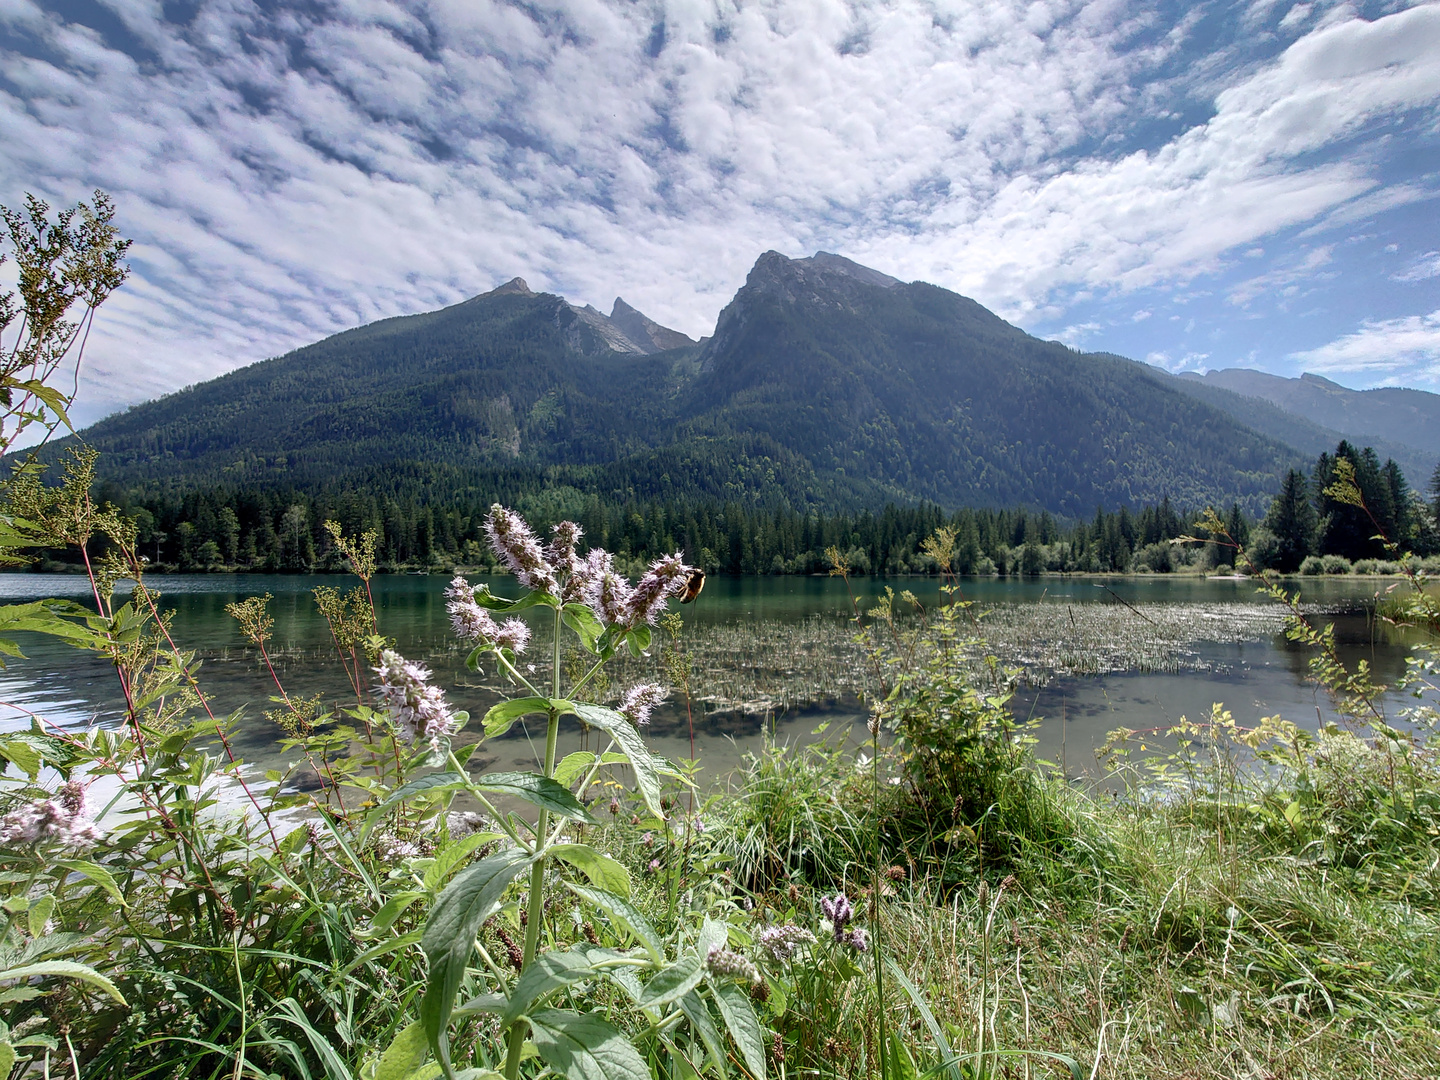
<point x="450" y="933"/>
<point x="697" y="1011"/>
<point x="434" y="784"/>
<point x="622" y="911"/>
<point x="603" y="871"/>
<point x="545" y="974"/>
<point x="743" y="1025"/>
<point x="673" y="983"/>
<point x="7" y="1058"/>
<point x="64" y="969"/>
<point x="581" y="1046"/>
<point x="96" y="873"/>
<point x="639" y="640"/>
<point x="614" y="724"/>
<point x="499" y="718"/>
<point x="586" y="626"/>
<point x="539" y="790"/>
<point x="404" y="1055"/>
<point x="573" y="766"/>
<point x="455" y="853"/>
<point x="488" y="600"/>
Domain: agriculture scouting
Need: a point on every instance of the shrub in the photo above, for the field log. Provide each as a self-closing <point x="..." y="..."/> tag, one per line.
<point x="1313" y="566"/>
<point x="1335" y="564"/>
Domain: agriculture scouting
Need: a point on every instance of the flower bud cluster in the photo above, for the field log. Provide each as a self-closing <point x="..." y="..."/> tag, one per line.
<point x="665" y="578"/>
<point x="418" y="708"/>
<point x="640" y="701"/>
<point x="63" y="819"/>
<point x="471" y="622"/>
<point x="724" y="964"/>
<point x="782" y="941"/>
<point x="516" y="546"/>
<point x="838" y="911"/>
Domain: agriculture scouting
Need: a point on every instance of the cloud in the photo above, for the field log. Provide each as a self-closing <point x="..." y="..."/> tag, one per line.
<point x="289" y="171"/>
<point x="1422" y="269"/>
<point x="1408" y="346"/>
<point x="1284" y="279"/>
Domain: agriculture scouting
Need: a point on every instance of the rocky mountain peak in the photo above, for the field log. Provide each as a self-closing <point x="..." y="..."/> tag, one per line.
<point x="645" y="331"/>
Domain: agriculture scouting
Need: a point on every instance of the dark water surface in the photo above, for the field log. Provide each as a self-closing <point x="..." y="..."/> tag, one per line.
<point x="1253" y="677"/>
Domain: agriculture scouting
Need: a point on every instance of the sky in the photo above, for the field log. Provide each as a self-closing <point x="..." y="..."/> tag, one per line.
<point x="1200" y="185"/>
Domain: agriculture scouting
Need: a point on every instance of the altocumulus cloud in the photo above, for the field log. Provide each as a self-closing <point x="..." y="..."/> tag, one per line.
<point x="289" y="171"/>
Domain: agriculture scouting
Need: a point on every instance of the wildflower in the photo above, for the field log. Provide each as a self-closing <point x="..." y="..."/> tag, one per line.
<point x="700" y="826"/>
<point x="513" y="634"/>
<point x="586" y="573"/>
<point x="648" y="839"/>
<point x="512" y="540"/>
<point x="859" y="940"/>
<point x="725" y="964"/>
<point x="391" y="849"/>
<point x="654" y="866"/>
<point x="561" y="549"/>
<point x="608" y="595"/>
<point x="419" y="709"/>
<point x="782" y="941"/>
<point x="512" y="948"/>
<point x="640" y="701"/>
<point x="896" y="873"/>
<point x="838" y="911"/>
<point x="63" y="819"/>
<point x="614" y="807"/>
<point x="468" y="619"/>
<point x="588" y="929"/>
<point x="665" y="578"/>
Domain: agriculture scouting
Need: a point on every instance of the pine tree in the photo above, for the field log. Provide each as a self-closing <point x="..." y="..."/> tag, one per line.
<point x="1292" y="520"/>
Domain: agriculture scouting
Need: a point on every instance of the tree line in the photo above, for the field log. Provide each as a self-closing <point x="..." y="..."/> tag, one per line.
<point x="281" y="530"/>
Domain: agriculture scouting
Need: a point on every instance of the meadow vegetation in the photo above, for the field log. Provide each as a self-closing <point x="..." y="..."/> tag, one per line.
<point x="1232" y="902"/>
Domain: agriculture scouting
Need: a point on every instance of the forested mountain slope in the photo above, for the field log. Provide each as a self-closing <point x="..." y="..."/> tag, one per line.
<point x="826" y="385"/>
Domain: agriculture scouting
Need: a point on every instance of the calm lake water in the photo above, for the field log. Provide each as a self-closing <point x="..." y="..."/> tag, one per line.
<point x="771" y="655"/>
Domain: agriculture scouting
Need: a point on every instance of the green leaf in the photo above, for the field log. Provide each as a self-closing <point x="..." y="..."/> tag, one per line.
<point x="586" y="626"/>
<point x="614" y="724"/>
<point x="7" y="1058"/>
<point x="404" y="1055"/>
<point x="450" y="935"/>
<point x="674" y="982"/>
<point x="488" y="600"/>
<point x="744" y="1026"/>
<point x="96" y="873"/>
<point x="455" y="853"/>
<point x="573" y="766"/>
<point x="603" y="871"/>
<point x="697" y="1011"/>
<point x="622" y="911"/>
<point x="581" y="1046"/>
<point x="435" y="784"/>
<point x="534" y="788"/>
<point x="638" y="640"/>
<point x="544" y="975"/>
<point x="386" y="916"/>
<point x="38" y="915"/>
<point x="26" y="758"/>
<point x="498" y="720"/>
<point x="64" y="969"/>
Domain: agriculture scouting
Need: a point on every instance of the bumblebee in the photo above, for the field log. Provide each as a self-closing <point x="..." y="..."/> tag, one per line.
<point x="693" y="586"/>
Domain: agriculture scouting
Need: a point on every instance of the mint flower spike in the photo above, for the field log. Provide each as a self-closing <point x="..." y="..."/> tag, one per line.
<point x="515" y="545"/>
<point x="561" y="549"/>
<point x="468" y="619"/>
<point x="782" y="941"/>
<point x="64" y="819"/>
<point x="609" y="596"/>
<point x="724" y="964"/>
<point x="641" y="700"/>
<point x="665" y="578"/>
<point x="838" y="910"/>
<point x="418" y="709"/>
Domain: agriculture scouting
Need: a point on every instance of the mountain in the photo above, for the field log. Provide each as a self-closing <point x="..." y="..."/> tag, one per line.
<point x="1406" y="421"/>
<point x="826" y="384"/>
<point x="1293" y="429"/>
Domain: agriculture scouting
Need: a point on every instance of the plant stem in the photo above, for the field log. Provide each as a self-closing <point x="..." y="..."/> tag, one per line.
<point x="535" y="910"/>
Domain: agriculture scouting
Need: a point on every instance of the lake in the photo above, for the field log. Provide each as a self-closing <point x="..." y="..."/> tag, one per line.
<point x="773" y="654"/>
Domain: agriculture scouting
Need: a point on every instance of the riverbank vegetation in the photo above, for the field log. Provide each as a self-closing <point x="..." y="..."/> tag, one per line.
<point x="932" y="901"/>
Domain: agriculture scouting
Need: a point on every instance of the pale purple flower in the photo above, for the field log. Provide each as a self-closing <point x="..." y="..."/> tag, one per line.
<point x="859" y="940"/>
<point x="63" y="819"/>
<point x="838" y="910"/>
<point x="516" y="546"/>
<point x="561" y="549"/>
<point x="609" y="597"/>
<point x="648" y="839"/>
<point x="586" y="574"/>
<point x="725" y="964"/>
<point x="469" y="620"/>
<point x="640" y="701"/>
<point x="418" y="708"/>
<point x="654" y="866"/>
<point x="665" y="578"/>
<point x="513" y="634"/>
<point x="782" y="941"/>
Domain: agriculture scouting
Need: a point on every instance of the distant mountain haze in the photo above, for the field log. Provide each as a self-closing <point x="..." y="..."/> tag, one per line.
<point x="826" y="384"/>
